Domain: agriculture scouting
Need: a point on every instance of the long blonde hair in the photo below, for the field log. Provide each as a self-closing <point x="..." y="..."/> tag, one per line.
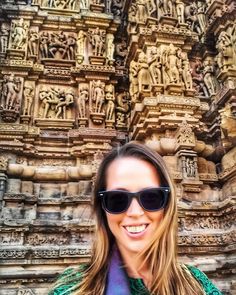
<point x="168" y="275"/>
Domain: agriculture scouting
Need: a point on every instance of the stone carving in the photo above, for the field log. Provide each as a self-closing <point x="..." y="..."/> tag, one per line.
<point x="25" y="292"/>
<point x="110" y="99"/>
<point x="97" y="38"/>
<point x="116" y="7"/>
<point x="189" y="168"/>
<point x="186" y="72"/>
<point x="225" y="57"/>
<point x="28" y="94"/>
<point x="110" y="48"/>
<point x="84" y="4"/>
<point x="144" y="77"/>
<point x="37" y="239"/>
<point x="228" y="123"/>
<point x="122" y="109"/>
<point x="133" y="77"/>
<point x="10" y="93"/>
<point x="172" y="65"/>
<point x="19" y="34"/>
<point x="3" y="163"/>
<point x="59" y="4"/>
<point x="166" y="7"/>
<point x="82" y="100"/>
<point x="185" y="135"/>
<point x="155" y="65"/>
<point x="151" y="7"/>
<point x="141" y="11"/>
<point x="13" y="238"/>
<point x="81" y="41"/>
<point x="33" y="42"/>
<point x="55" y="102"/>
<point x="208" y="77"/>
<point x="98" y="95"/>
<point x="120" y="52"/>
<point x="179" y="4"/>
<point x="57" y="45"/>
<point x="201" y="15"/>
<point x="191" y="17"/>
<point x="4" y="34"/>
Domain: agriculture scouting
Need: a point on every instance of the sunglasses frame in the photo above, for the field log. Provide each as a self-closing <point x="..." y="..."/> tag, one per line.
<point x="137" y="196"/>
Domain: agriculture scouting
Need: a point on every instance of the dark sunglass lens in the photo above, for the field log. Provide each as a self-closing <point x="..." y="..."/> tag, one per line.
<point x="115" y="201"/>
<point x="152" y="199"/>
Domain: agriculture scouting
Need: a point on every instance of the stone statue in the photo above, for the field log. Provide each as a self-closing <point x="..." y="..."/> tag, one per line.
<point x="208" y="77"/>
<point x="58" y="45"/>
<point x="110" y="47"/>
<point x="11" y="89"/>
<point x="71" y="43"/>
<point x="116" y="7"/>
<point x="173" y="64"/>
<point x="201" y="15"/>
<point x="155" y="66"/>
<point x="141" y="13"/>
<point x="110" y="99"/>
<point x="133" y="78"/>
<point x="166" y="7"/>
<point x="190" y="169"/>
<point x="28" y="99"/>
<point x="179" y="4"/>
<point x="186" y="72"/>
<point x="43" y="46"/>
<point x="84" y="4"/>
<point x="65" y="100"/>
<point x="82" y="100"/>
<point x="48" y="98"/>
<point x="122" y="109"/>
<point x="19" y="34"/>
<point x="97" y="38"/>
<point x="144" y="77"/>
<point x="191" y="17"/>
<point x="4" y="33"/>
<point x="151" y="7"/>
<point x="98" y="95"/>
<point x="81" y="41"/>
<point x="120" y="52"/>
<point x="226" y="52"/>
<point x="33" y="42"/>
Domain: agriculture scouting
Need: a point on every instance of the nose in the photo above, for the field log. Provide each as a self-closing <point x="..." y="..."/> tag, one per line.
<point x="134" y="209"/>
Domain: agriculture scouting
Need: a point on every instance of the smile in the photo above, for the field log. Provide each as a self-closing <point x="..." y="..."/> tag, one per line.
<point x="134" y="229"/>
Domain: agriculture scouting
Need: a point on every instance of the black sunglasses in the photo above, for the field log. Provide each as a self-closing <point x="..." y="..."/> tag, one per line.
<point x="150" y="199"/>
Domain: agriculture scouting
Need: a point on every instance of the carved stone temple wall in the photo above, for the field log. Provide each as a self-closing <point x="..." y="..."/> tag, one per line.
<point x="78" y="77"/>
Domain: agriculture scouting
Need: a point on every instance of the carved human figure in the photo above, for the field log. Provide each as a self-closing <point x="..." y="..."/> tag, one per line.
<point x="133" y="78"/>
<point x="116" y="7"/>
<point x="84" y="4"/>
<point x="191" y="17"/>
<point x="82" y="100"/>
<point x="58" y="45"/>
<point x="110" y="47"/>
<point x="64" y="101"/>
<point x="4" y="37"/>
<point x="208" y="77"/>
<point x="144" y="77"/>
<point x="28" y="99"/>
<point x="97" y="38"/>
<point x="172" y="66"/>
<point x="70" y="47"/>
<point x="43" y="46"/>
<point x="226" y="52"/>
<point x="179" y="4"/>
<point x="201" y="15"/>
<point x="49" y="98"/>
<point x="19" y="34"/>
<point x="81" y="41"/>
<point x="151" y="7"/>
<point x="186" y="72"/>
<point x="155" y="66"/>
<point x="33" y="42"/>
<point x="141" y="13"/>
<point x="166" y="7"/>
<point x="110" y="99"/>
<point x="11" y="89"/>
<point x="98" y="95"/>
<point x="190" y="167"/>
<point x="122" y="108"/>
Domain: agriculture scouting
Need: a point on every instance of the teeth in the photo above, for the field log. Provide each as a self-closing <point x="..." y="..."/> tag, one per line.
<point x="135" y="229"/>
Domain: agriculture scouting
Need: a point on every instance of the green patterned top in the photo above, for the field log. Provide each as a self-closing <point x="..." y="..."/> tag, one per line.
<point x="137" y="286"/>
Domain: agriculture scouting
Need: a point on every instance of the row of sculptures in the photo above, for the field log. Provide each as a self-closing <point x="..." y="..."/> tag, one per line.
<point x="193" y="14"/>
<point x="108" y="6"/>
<point x="95" y="98"/>
<point x="58" y="45"/>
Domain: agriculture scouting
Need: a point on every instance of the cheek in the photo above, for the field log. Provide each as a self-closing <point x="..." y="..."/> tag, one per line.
<point x="113" y="220"/>
<point x="156" y="216"/>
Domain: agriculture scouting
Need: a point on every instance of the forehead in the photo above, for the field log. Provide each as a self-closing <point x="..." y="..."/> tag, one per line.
<point x="131" y="173"/>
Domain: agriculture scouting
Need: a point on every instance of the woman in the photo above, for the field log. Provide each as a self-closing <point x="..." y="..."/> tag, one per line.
<point x="135" y="248"/>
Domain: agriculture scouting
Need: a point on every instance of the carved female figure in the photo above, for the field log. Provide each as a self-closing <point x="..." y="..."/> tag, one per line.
<point x="19" y="34"/>
<point x="81" y="40"/>
<point x="179" y="4"/>
<point x="110" y="47"/>
<point x="133" y="78"/>
<point x="173" y="64"/>
<point x="43" y="46"/>
<point x="144" y="77"/>
<point x="98" y="95"/>
<point x="110" y="98"/>
<point x="65" y="101"/>
<point x="97" y="39"/>
<point x="187" y="77"/>
<point x="141" y="13"/>
<point x="155" y="67"/>
<point x="82" y="99"/>
<point x="28" y="99"/>
<point x="208" y="77"/>
<point x="33" y="42"/>
<point x="11" y="90"/>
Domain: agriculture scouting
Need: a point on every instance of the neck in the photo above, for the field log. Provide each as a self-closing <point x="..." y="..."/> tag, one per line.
<point x="132" y="265"/>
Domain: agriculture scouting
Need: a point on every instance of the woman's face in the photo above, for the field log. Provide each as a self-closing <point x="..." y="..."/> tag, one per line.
<point x="134" y="228"/>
